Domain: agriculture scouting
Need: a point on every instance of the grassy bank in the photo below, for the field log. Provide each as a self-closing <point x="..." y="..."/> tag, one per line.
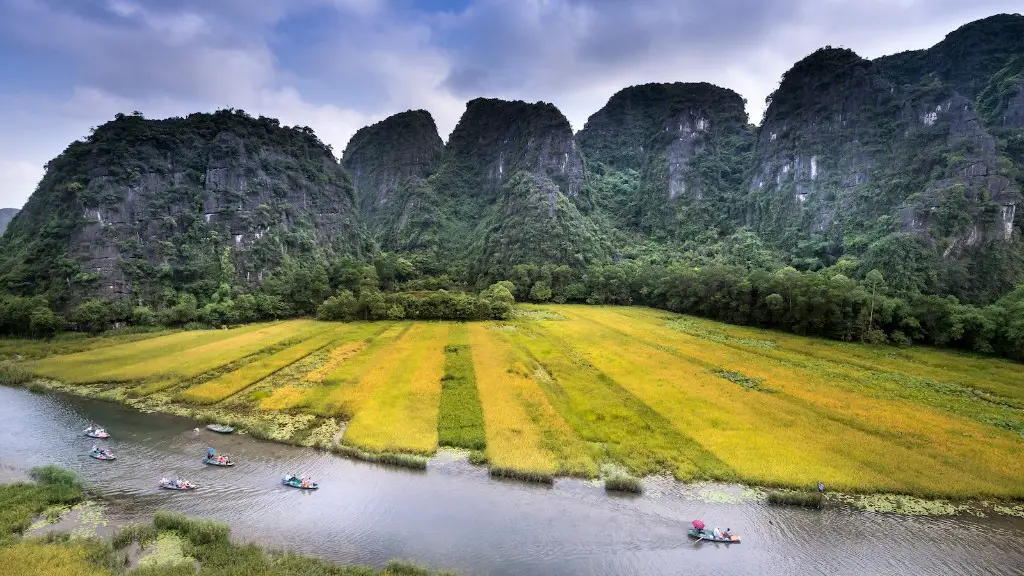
<point x="172" y="545"/>
<point x="568" y="390"/>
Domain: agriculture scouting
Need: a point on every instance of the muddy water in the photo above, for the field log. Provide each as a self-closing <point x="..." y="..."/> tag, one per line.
<point x="454" y="517"/>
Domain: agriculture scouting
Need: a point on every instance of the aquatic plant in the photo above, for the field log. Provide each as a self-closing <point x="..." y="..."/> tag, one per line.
<point x="13" y="374"/>
<point x="392" y="459"/>
<point x="198" y="532"/>
<point x="623" y="483"/>
<point x="539" y="476"/>
<point x="793" y="498"/>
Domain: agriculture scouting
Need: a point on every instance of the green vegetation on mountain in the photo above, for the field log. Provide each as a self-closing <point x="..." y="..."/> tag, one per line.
<point x="876" y="201"/>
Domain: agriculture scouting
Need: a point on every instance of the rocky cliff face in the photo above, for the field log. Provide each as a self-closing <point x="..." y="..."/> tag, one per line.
<point x="688" y="144"/>
<point x="143" y="204"/>
<point x="6" y="215"/>
<point x="496" y="139"/>
<point x="388" y="163"/>
<point x="848" y="157"/>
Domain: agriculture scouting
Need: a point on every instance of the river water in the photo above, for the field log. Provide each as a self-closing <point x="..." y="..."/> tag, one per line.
<point x="454" y="517"/>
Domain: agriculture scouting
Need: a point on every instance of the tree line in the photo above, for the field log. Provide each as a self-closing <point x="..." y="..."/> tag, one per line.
<point x="831" y="303"/>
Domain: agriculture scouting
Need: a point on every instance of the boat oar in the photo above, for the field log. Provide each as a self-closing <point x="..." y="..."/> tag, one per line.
<point x="698" y="540"/>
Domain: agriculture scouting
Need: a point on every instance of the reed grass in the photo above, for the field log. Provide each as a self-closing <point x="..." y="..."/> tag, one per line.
<point x="538" y="476"/>
<point x="460" y="421"/>
<point x="793" y="498"/>
<point x="623" y="483"/>
<point x="389" y="458"/>
<point x="13" y="374"/>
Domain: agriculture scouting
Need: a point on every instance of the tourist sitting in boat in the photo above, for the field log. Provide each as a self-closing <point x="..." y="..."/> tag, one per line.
<point x="727" y="534"/>
<point x="717" y="533"/>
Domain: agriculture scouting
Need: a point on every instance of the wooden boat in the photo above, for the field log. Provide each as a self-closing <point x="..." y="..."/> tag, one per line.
<point x="220" y="429"/>
<point x="96" y="433"/>
<point x="213" y="462"/>
<point x="289" y="480"/>
<point x="102" y="455"/>
<point x="709" y="536"/>
<point x="168" y="485"/>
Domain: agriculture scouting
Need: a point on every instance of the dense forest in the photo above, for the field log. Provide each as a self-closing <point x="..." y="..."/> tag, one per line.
<point x="876" y="202"/>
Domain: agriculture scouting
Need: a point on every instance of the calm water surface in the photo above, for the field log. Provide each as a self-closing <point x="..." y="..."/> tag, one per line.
<point x="454" y="517"/>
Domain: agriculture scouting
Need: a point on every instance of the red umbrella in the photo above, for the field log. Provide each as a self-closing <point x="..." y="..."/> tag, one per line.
<point x="698" y="524"/>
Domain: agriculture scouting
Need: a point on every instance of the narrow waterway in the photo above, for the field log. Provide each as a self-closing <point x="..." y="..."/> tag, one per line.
<point x="454" y="517"/>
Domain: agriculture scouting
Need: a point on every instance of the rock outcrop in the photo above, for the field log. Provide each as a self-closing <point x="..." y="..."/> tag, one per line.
<point x="389" y="162"/>
<point x="190" y="199"/>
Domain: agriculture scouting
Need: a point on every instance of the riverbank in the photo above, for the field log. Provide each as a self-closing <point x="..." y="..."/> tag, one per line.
<point x="171" y="545"/>
<point x="455" y="516"/>
<point x="573" y="391"/>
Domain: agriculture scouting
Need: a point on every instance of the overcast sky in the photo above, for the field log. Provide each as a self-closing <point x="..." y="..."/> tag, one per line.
<point x="337" y="65"/>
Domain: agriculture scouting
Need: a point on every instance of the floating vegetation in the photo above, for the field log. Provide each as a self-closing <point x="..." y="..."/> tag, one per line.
<point x="902" y="504"/>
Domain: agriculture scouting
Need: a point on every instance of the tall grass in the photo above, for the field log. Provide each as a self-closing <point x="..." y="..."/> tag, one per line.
<point x="13" y="374"/>
<point x="460" y="420"/>
<point x="231" y="383"/>
<point x="21" y="503"/>
<point x="793" y="498"/>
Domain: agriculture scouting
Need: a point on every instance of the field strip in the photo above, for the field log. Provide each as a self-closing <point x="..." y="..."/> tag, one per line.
<point x="460" y="419"/>
<point x="91" y="366"/>
<point x="36" y="349"/>
<point x="997" y="376"/>
<point x="843" y="401"/>
<point x="524" y="432"/>
<point x="764" y="436"/>
<point x="601" y="411"/>
<point x="231" y="383"/>
<point x="285" y="389"/>
<point x="333" y="398"/>
<point x="200" y="359"/>
<point x="400" y="405"/>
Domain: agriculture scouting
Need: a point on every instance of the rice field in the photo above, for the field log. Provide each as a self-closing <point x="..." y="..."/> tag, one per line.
<point x="586" y="391"/>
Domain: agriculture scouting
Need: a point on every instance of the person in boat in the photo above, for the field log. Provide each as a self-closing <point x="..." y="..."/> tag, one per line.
<point x="727" y="534"/>
<point x="717" y="533"/>
<point x="95" y="448"/>
<point x="209" y="453"/>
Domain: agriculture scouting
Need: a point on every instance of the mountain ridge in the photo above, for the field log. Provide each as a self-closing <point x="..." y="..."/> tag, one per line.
<point x="911" y="164"/>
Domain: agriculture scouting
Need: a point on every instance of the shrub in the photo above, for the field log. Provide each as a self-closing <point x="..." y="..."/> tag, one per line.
<point x="198" y="532"/>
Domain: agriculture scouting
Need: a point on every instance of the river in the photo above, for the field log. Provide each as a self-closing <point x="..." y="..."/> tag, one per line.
<point x="454" y="517"/>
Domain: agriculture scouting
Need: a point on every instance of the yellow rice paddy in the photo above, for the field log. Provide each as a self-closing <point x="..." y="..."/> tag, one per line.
<point x="637" y="389"/>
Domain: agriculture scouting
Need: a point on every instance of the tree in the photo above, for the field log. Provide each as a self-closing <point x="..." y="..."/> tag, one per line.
<point x="875" y="281"/>
<point x="541" y="291"/>
<point x="92" y="315"/>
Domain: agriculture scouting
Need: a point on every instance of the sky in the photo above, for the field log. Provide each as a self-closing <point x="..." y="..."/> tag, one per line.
<point x="338" y="65"/>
